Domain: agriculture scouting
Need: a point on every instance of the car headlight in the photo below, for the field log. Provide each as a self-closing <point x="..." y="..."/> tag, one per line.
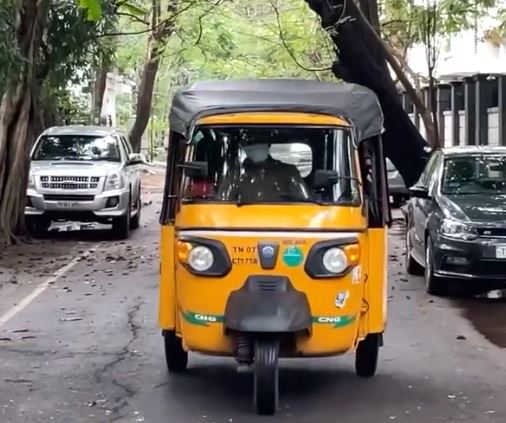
<point x="458" y="230"/>
<point x="335" y="260"/>
<point x="114" y="181"/>
<point x="31" y="181"/>
<point x="200" y="258"/>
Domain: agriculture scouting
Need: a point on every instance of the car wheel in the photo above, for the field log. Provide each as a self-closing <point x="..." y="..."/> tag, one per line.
<point x="121" y="225"/>
<point x="135" y="222"/>
<point x="433" y="284"/>
<point x="38" y="226"/>
<point x="412" y="266"/>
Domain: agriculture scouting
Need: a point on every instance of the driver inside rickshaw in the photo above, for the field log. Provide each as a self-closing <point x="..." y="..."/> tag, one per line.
<point x="263" y="178"/>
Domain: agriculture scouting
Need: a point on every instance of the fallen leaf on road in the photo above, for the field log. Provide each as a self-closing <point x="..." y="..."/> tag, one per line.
<point x="461" y="338"/>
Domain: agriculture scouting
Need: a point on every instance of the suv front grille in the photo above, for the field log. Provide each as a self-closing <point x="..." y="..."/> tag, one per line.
<point x="65" y="197"/>
<point x="69" y="182"/>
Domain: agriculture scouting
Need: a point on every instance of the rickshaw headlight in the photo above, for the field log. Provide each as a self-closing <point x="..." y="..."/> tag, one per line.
<point x="200" y="258"/>
<point x="335" y="260"/>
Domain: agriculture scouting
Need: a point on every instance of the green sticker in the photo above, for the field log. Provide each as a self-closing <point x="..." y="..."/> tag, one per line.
<point x="334" y="321"/>
<point x="293" y="256"/>
<point x="200" y="319"/>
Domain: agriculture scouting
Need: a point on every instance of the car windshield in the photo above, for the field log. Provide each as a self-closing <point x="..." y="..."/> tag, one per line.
<point x="480" y="174"/>
<point x="77" y="147"/>
<point x="264" y="164"/>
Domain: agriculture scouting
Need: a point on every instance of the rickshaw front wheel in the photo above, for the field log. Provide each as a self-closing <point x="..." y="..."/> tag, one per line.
<point x="366" y="356"/>
<point x="175" y="355"/>
<point x="266" y="374"/>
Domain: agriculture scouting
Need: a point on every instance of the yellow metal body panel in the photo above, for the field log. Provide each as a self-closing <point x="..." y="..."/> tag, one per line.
<point x="377" y="279"/>
<point x="273" y="118"/>
<point x="280" y="217"/>
<point x="167" y="301"/>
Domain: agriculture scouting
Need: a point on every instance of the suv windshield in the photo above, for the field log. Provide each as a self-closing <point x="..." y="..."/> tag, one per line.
<point x="475" y="175"/>
<point x="77" y="147"/>
<point x="264" y="164"/>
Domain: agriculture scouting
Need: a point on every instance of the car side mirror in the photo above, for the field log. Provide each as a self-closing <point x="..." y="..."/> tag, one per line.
<point x="136" y="159"/>
<point x="195" y="169"/>
<point x="325" y="178"/>
<point x="419" y="192"/>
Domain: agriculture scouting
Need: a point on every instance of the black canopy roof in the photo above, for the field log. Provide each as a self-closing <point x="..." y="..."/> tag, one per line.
<point x="353" y="102"/>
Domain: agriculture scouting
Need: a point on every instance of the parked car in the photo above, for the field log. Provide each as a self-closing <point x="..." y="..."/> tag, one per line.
<point x="397" y="189"/>
<point x="84" y="173"/>
<point x="456" y="220"/>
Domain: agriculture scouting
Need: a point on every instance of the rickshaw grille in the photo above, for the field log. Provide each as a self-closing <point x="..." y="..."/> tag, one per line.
<point x="267" y="285"/>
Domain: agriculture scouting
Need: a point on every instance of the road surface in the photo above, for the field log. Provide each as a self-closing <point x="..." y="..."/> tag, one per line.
<point x="79" y="343"/>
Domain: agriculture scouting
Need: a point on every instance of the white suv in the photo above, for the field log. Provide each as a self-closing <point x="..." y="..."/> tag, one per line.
<point x="84" y="173"/>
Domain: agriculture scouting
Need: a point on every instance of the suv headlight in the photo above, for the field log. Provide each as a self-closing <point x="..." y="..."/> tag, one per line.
<point x="114" y="181"/>
<point x="458" y="230"/>
<point x="31" y="181"/>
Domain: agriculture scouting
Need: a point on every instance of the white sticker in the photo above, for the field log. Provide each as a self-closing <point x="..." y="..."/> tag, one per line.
<point x="356" y="275"/>
<point x="341" y="299"/>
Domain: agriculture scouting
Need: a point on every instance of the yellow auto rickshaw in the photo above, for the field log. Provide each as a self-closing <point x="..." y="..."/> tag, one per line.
<point x="274" y="226"/>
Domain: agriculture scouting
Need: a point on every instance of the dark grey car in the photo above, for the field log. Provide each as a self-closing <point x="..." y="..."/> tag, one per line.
<point x="456" y="220"/>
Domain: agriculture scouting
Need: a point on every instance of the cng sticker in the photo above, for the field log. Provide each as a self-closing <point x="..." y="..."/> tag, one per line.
<point x="334" y="321"/>
<point x="200" y="319"/>
<point x="293" y="256"/>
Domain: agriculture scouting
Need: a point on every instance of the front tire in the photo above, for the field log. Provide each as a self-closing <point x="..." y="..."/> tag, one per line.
<point x="175" y="355"/>
<point x="121" y="225"/>
<point x="266" y="390"/>
<point x="433" y="284"/>
<point x="38" y="226"/>
<point x="135" y="222"/>
<point x="412" y="266"/>
<point x="366" y="356"/>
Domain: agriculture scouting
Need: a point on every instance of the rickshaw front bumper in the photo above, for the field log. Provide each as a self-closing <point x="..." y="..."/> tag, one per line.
<point x="268" y="304"/>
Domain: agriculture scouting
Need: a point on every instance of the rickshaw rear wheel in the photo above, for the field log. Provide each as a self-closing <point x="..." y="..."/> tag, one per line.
<point x="175" y="355"/>
<point x="266" y="390"/>
<point x="366" y="356"/>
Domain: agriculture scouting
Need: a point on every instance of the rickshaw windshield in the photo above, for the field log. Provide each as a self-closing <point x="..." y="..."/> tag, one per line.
<point x="272" y="164"/>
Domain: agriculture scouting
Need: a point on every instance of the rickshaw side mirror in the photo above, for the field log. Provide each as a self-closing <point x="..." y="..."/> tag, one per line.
<point x="195" y="169"/>
<point x="324" y="178"/>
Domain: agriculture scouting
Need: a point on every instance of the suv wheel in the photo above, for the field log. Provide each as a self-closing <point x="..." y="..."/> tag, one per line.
<point x="434" y="285"/>
<point x="38" y="226"/>
<point x="121" y="225"/>
<point x="135" y="221"/>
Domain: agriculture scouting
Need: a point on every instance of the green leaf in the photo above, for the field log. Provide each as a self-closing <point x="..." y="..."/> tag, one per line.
<point x="134" y="9"/>
<point x="93" y="9"/>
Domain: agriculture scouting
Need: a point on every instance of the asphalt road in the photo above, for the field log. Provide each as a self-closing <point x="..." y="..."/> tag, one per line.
<point x="83" y="346"/>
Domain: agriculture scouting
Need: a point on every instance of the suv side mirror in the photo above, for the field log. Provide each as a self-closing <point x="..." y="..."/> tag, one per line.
<point x="419" y="192"/>
<point x="195" y="169"/>
<point x="325" y="178"/>
<point x="135" y="159"/>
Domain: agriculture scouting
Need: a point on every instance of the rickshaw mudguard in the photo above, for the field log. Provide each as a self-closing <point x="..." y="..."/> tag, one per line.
<point x="268" y="304"/>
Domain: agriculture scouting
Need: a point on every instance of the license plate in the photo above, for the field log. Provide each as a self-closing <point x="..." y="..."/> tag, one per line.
<point x="500" y="251"/>
<point x="66" y="204"/>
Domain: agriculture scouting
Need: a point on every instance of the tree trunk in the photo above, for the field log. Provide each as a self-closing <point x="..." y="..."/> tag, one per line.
<point x="159" y="37"/>
<point x="362" y="60"/>
<point x="100" y="86"/>
<point x="144" y="102"/>
<point x="18" y="118"/>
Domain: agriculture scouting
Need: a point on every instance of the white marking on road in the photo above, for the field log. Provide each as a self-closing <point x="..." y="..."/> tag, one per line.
<point x="25" y="302"/>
